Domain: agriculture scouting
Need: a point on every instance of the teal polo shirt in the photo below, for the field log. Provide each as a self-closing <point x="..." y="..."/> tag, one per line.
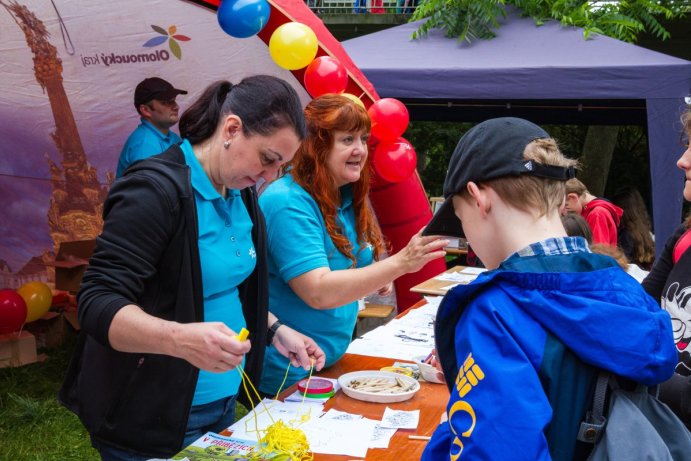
<point x="146" y="140"/>
<point x="298" y="243"/>
<point x="227" y="257"/>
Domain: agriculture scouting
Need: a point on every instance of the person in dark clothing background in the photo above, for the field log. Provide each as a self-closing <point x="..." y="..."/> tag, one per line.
<point x="575" y="225"/>
<point x="669" y="282"/>
<point x="154" y="99"/>
<point x="635" y="237"/>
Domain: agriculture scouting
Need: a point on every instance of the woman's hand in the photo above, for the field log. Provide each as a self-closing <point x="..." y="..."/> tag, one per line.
<point x="209" y="346"/>
<point x="386" y="290"/>
<point x="300" y="349"/>
<point x="420" y="250"/>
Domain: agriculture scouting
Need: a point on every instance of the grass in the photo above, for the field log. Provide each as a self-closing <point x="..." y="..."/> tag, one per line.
<point x="33" y="425"/>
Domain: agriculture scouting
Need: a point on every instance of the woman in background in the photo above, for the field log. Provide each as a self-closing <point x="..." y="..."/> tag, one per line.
<point x="575" y="225"/>
<point x="635" y="238"/>
<point x="669" y="282"/>
<point x="325" y="246"/>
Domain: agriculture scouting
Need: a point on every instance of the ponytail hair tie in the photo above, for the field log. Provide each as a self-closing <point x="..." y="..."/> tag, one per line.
<point x="223" y="91"/>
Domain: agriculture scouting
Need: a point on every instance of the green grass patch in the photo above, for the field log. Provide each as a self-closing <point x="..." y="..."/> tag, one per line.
<point x="33" y="425"/>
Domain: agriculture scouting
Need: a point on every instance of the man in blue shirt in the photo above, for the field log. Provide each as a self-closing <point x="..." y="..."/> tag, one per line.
<point x="154" y="99"/>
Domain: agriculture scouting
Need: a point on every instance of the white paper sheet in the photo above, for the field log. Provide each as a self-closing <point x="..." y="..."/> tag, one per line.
<point x="290" y="413"/>
<point x="404" y="339"/>
<point x="448" y="287"/>
<point x="342" y="415"/>
<point x="381" y="436"/>
<point x="422" y="321"/>
<point x="432" y="304"/>
<point x="408" y="336"/>
<point x="400" y="419"/>
<point x="473" y="270"/>
<point x="378" y="349"/>
<point x="339" y="437"/>
<point x="458" y="277"/>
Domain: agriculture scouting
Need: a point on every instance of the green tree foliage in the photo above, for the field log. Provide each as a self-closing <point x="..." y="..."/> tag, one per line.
<point x="435" y="141"/>
<point x="479" y="19"/>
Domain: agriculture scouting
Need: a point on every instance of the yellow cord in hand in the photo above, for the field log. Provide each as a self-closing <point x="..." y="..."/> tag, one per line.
<point x="279" y="440"/>
<point x="242" y="336"/>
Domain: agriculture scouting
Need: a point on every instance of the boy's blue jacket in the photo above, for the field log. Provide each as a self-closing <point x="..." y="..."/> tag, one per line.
<point x="520" y="350"/>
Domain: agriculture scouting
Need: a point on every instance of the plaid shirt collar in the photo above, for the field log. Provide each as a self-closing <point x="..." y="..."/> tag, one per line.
<point x="554" y="246"/>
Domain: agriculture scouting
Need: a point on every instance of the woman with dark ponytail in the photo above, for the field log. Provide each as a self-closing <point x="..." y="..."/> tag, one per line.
<point x="178" y="271"/>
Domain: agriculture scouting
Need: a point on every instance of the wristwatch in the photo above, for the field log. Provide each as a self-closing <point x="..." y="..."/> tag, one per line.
<point x="272" y="332"/>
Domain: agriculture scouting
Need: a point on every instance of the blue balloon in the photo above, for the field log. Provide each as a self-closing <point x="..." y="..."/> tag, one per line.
<point x="243" y="18"/>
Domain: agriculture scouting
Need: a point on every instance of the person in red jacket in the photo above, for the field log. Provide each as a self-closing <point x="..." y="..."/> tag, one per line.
<point x="602" y="216"/>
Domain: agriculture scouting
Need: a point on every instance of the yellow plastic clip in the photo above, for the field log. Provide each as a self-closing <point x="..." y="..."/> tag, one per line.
<point x="242" y="336"/>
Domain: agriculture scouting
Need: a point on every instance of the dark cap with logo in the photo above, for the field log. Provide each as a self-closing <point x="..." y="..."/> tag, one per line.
<point x="490" y="150"/>
<point x="154" y="88"/>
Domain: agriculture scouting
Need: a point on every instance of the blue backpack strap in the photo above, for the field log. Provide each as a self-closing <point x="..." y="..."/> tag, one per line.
<point x="591" y="429"/>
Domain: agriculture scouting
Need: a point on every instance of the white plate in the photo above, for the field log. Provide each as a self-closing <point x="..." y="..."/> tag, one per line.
<point x="344" y="381"/>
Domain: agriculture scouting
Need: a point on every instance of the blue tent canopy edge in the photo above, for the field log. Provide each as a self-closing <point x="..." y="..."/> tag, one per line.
<point x="547" y="66"/>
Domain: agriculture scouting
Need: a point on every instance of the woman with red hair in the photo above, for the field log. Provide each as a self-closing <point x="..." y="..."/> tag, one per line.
<point x="325" y="246"/>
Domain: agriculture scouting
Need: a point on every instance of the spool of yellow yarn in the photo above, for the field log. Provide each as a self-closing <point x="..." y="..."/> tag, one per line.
<point x="280" y="441"/>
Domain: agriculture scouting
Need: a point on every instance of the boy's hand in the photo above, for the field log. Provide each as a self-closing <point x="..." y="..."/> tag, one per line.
<point x="433" y="360"/>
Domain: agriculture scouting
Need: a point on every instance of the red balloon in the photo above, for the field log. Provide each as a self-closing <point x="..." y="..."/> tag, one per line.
<point x="395" y="161"/>
<point x="389" y="119"/>
<point x="12" y="311"/>
<point x="325" y="75"/>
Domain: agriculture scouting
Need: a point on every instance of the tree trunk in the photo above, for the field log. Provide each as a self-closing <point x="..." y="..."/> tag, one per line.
<point x="597" y="156"/>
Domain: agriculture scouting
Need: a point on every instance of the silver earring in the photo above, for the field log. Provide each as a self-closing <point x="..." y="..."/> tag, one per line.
<point x="226" y="143"/>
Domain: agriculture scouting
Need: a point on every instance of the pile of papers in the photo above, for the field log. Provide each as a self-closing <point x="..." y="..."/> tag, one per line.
<point x="407" y="338"/>
<point x="333" y="432"/>
<point x="462" y="277"/>
<point x="412" y="336"/>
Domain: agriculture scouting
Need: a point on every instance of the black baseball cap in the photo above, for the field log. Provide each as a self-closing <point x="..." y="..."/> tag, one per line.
<point x="154" y="88"/>
<point x="490" y="150"/>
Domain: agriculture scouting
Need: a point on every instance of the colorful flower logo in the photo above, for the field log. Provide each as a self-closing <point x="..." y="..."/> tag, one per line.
<point x="169" y="35"/>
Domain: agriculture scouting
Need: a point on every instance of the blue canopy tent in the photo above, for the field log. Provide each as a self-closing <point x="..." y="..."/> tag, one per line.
<point x="547" y="74"/>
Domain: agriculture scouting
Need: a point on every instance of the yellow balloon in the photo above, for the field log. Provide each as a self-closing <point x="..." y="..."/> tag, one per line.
<point x="355" y="99"/>
<point x="293" y="45"/>
<point x="38" y="297"/>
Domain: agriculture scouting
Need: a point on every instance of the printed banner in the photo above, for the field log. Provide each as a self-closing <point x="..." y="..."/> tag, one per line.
<point x="69" y="69"/>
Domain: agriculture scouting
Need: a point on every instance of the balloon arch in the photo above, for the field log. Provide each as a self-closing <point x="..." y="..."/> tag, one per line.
<point x="65" y="77"/>
<point x="298" y="41"/>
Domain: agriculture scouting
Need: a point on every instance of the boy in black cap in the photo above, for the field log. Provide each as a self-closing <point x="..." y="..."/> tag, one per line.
<point x="154" y="99"/>
<point x="521" y="345"/>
